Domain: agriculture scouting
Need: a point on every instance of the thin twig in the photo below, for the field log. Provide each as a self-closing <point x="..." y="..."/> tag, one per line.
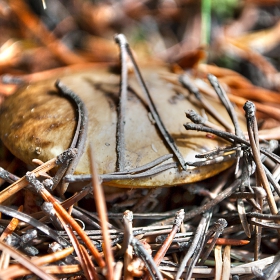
<point x="120" y="137"/>
<point x="126" y="246"/>
<point x="229" y="137"/>
<point x="89" y="264"/>
<point x="24" y="261"/>
<point x="226" y="102"/>
<point x="102" y="212"/>
<point x="199" y="236"/>
<point x="64" y="214"/>
<point x="250" y="116"/>
<point x="217" y="230"/>
<point x="147" y="259"/>
<point x="17" y="270"/>
<point x="166" y="136"/>
<point x="185" y="81"/>
<point x="176" y="226"/>
<point x="200" y="247"/>
<point x="38" y="225"/>
<point x="11" y="226"/>
<point x="196" y="118"/>
<point x="76" y="246"/>
<point x="19" y="243"/>
<point x="223" y="195"/>
<point x="80" y="135"/>
<point x="116" y="176"/>
<point x="22" y="182"/>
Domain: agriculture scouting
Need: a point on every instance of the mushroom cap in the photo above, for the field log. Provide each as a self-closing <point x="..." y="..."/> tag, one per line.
<point x="37" y="122"/>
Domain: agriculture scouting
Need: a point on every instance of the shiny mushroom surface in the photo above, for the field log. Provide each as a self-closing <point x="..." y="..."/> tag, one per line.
<point x="37" y="122"/>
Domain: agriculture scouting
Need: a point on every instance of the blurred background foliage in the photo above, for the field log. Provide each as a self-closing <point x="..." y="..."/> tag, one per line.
<point x="165" y="30"/>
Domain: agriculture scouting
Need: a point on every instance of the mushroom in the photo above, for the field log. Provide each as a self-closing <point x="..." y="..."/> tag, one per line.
<point x="37" y="122"/>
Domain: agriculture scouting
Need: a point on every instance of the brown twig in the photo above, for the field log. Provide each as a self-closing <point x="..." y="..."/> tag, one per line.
<point x="24" y="261"/>
<point x="11" y="226"/>
<point x="80" y="254"/>
<point x="22" y="182"/>
<point x="88" y="263"/>
<point x="231" y="242"/>
<point x="102" y="212"/>
<point x="196" y="118"/>
<point x="186" y="82"/>
<point x="5" y="258"/>
<point x="179" y="217"/>
<point x="260" y="196"/>
<point x="217" y="230"/>
<point x="80" y="136"/>
<point x="126" y="247"/>
<point x="250" y="108"/>
<point x="17" y="270"/>
<point x="166" y="136"/>
<point x="65" y="216"/>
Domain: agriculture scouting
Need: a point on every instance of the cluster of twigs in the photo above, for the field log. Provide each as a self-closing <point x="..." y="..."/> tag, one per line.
<point x="86" y="246"/>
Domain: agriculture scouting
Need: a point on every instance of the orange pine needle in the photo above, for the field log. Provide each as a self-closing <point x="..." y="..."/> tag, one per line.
<point x="232" y="242"/>
<point x="11" y="226"/>
<point x="17" y="270"/>
<point x="24" y="261"/>
<point x="21" y="183"/>
<point x="102" y="212"/>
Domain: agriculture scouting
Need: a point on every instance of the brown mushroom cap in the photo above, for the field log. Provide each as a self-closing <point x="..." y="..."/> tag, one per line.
<point x="37" y="122"/>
